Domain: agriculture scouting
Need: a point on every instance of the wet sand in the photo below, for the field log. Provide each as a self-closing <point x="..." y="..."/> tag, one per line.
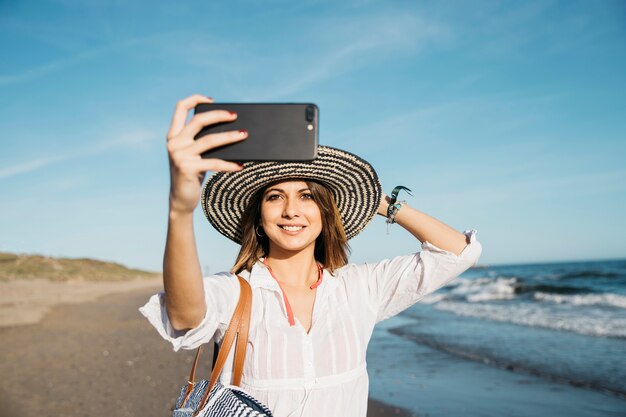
<point x="97" y="358"/>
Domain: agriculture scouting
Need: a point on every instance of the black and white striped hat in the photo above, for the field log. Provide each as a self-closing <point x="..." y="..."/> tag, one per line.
<point x="352" y="181"/>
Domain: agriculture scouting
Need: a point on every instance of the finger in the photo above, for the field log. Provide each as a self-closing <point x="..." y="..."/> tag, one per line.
<point x="201" y="120"/>
<point x="216" y="140"/>
<point x="214" y="164"/>
<point x="182" y="109"/>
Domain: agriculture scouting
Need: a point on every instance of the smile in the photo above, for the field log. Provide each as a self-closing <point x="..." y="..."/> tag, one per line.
<point x="291" y="228"/>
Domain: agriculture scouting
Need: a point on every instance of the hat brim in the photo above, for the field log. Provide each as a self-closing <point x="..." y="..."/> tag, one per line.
<point x="352" y="181"/>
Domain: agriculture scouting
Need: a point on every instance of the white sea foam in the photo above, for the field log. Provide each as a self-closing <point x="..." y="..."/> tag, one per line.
<point x="606" y="299"/>
<point x="592" y="322"/>
<point x="483" y="289"/>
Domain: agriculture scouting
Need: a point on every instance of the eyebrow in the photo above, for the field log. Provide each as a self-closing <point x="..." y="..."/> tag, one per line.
<point x="280" y="190"/>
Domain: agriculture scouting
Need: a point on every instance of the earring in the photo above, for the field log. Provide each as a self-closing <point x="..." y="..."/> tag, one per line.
<point x="256" y="231"/>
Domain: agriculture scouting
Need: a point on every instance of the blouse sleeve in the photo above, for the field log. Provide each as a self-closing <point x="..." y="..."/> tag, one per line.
<point x="395" y="284"/>
<point x="221" y="293"/>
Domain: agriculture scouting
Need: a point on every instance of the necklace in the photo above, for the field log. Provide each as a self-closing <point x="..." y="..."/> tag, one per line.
<point x="290" y="316"/>
<point x="320" y="273"/>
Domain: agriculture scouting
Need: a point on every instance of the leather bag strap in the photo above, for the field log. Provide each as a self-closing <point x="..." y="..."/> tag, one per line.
<point x="238" y="327"/>
<point x="242" y="335"/>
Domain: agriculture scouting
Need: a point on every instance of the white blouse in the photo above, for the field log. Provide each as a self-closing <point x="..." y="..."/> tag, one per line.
<point x="322" y="373"/>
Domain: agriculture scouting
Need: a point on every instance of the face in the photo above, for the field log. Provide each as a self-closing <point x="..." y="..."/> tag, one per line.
<point x="290" y="217"/>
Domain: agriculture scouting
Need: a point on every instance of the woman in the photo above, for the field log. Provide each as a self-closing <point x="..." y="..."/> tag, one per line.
<point x="312" y="313"/>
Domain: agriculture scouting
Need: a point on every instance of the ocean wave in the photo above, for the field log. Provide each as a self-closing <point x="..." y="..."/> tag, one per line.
<point x="588" y="274"/>
<point x="587" y="322"/>
<point x="501" y="288"/>
<point x="555" y="289"/>
<point x="606" y="299"/>
<point x="482" y="289"/>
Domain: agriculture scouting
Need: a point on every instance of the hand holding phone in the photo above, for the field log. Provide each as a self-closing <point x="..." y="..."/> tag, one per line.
<point x="187" y="169"/>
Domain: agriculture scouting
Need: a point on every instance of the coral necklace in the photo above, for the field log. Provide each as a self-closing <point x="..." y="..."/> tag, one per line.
<point x="320" y="274"/>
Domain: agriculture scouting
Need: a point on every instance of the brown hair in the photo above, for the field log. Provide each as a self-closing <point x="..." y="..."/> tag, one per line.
<point x="331" y="246"/>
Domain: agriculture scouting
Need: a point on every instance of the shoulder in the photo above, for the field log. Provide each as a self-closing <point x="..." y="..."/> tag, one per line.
<point x="223" y="280"/>
<point x="353" y="275"/>
<point x="221" y="276"/>
<point x="372" y="268"/>
<point x="348" y="270"/>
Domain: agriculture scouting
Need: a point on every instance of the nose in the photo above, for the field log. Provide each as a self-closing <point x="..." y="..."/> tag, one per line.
<point x="290" y="209"/>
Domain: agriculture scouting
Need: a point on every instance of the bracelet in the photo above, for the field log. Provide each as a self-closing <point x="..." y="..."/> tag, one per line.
<point x="393" y="210"/>
<point x="394" y="206"/>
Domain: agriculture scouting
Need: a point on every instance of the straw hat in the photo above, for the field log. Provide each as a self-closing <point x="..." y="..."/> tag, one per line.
<point x="352" y="181"/>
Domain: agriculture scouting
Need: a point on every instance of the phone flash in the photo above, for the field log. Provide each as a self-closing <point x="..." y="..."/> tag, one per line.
<point x="310" y="127"/>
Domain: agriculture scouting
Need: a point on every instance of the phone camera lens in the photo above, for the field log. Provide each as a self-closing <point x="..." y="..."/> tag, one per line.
<point x="310" y="113"/>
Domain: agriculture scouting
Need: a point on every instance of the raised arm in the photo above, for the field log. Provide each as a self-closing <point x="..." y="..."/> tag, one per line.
<point x="182" y="276"/>
<point x="426" y="228"/>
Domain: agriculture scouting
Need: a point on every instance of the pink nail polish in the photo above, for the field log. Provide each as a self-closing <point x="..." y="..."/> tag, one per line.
<point x="232" y="113"/>
<point x="243" y="132"/>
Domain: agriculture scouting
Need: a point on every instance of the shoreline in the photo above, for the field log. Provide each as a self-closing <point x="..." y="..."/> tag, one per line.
<point x="433" y="382"/>
<point x="516" y="368"/>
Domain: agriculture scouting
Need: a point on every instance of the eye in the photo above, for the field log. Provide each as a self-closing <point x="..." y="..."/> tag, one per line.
<point x="271" y="197"/>
<point x="307" y="196"/>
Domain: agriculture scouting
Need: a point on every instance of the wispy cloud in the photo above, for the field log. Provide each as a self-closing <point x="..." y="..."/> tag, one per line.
<point x="31" y="73"/>
<point x="272" y="67"/>
<point x="332" y="64"/>
<point x="28" y="166"/>
<point x="35" y="72"/>
<point x="348" y="44"/>
<point x="134" y="139"/>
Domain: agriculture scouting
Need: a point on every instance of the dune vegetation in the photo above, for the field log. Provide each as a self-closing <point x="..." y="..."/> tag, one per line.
<point x="27" y="267"/>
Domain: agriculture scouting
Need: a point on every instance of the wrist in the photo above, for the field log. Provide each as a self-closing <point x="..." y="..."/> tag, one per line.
<point x="179" y="214"/>
<point x="181" y="205"/>
<point x="393" y="209"/>
<point x="393" y="205"/>
<point x="383" y="206"/>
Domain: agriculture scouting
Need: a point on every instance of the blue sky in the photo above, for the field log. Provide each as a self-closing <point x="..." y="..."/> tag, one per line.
<point x="505" y="117"/>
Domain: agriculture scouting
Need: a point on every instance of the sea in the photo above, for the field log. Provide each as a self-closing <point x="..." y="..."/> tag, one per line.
<point x="551" y="337"/>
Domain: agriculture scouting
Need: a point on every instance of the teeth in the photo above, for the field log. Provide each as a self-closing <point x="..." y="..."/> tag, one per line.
<point x="292" y="228"/>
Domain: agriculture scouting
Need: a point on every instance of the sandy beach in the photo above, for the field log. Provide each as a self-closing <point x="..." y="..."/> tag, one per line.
<point x="92" y="354"/>
<point x="28" y="301"/>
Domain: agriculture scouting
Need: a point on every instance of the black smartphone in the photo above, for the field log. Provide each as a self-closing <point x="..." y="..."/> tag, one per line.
<point x="276" y="131"/>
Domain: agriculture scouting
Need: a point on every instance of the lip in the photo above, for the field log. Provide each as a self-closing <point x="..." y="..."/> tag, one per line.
<point x="291" y="232"/>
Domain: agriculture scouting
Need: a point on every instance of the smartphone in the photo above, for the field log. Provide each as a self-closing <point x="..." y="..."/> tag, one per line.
<point x="276" y="131"/>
